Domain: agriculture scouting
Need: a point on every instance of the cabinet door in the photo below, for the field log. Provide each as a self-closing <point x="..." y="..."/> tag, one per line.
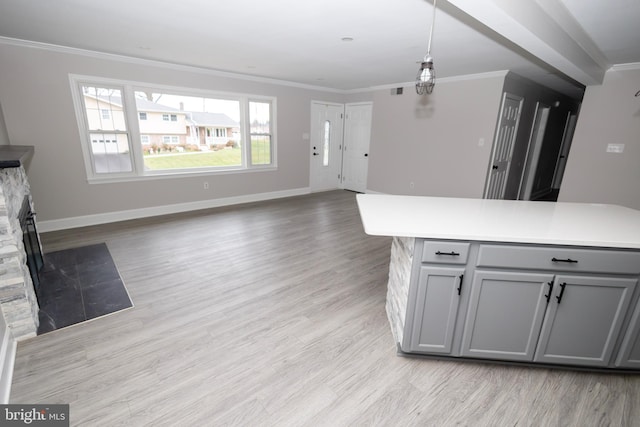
<point x="505" y="314"/>
<point x="434" y="317"/>
<point x="629" y="355"/>
<point x="583" y="320"/>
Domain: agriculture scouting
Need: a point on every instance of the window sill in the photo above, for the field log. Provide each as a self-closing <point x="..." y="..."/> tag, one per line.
<point x="178" y="174"/>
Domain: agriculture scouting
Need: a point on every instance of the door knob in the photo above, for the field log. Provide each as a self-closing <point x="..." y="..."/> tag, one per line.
<point x="494" y="167"/>
<point x="366" y="154"/>
<point x="315" y="154"/>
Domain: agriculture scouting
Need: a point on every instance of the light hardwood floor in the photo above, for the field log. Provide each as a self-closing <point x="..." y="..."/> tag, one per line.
<point x="273" y="314"/>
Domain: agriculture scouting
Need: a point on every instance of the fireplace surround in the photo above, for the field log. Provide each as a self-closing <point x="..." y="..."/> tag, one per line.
<point x="17" y="295"/>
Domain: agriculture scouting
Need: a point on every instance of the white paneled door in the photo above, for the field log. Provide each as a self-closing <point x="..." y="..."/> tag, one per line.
<point x="327" y="124"/>
<point x="503" y="146"/>
<point x="357" y="135"/>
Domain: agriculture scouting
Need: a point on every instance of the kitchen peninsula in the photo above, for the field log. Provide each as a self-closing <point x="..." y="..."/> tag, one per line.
<point x="532" y="282"/>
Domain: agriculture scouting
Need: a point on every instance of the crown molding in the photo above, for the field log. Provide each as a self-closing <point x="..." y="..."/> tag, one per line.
<point x="219" y="73"/>
<point x="161" y="64"/>
<point x="626" y="67"/>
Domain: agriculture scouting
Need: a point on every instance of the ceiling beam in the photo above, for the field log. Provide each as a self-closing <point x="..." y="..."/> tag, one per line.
<point x="546" y="30"/>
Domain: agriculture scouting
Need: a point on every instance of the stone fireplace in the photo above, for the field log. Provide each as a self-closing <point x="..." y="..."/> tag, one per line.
<point x="17" y="295"/>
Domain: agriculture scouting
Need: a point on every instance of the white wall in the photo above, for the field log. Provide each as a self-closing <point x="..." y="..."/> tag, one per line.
<point x="38" y="110"/>
<point x="432" y="141"/>
<point x="610" y="113"/>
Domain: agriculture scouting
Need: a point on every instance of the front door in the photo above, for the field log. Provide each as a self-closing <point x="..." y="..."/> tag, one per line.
<point x="357" y="134"/>
<point x="326" y="146"/>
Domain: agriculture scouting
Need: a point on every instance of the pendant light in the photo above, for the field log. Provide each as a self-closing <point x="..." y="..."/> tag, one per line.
<point x="426" y="79"/>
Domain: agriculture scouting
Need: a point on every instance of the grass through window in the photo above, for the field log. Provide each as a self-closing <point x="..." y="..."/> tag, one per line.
<point x="226" y="157"/>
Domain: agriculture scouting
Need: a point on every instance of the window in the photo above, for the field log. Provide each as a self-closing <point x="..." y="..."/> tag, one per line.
<point x="157" y="131"/>
<point x="260" y="132"/>
<point x="170" y="139"/>
<point x="197" y="131"/>
<point x="326" y="143"/>
<point x="106" y="127"/>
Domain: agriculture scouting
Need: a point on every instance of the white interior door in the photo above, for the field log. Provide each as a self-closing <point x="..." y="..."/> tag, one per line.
<point x="357" y="135"/>
<point x="569" y="129"/>
<point x="503" y="146"/>
<point x="327" y="126"/>
<point x="533" y="152"/>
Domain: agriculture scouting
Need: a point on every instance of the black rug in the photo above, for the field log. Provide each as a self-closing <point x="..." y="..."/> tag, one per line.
<point x="77" y="285"/>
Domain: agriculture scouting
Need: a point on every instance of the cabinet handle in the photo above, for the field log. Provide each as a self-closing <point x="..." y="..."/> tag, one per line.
<point x="548" y="296"/>
<point x="448" y="253"/>
<point x="559" y="297"/>
<point x="460" y="284"/>
<point x="554" y="259"/>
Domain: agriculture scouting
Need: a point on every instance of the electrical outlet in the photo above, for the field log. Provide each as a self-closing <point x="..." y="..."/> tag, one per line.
<point x="411" y="184"/>
<point x="205" y="185"/>
<point x="615" y="148"/>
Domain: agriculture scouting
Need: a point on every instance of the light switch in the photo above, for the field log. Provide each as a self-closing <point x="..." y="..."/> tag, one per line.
<point x="615" y="148"/>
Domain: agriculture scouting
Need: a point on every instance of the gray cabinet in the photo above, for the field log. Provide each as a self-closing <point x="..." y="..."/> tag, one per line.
<point x="436" y="308"/>
<point x="629" y="355"/>
<point x="584" y="319"/>
<point x="505" y="314"/>
<point x="528" y="303"/>
<point x="538" y="317"/>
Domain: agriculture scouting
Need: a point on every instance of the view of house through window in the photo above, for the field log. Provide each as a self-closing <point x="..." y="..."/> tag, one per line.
<point x="108" y="134"/>
<point x="188" y="132"/>
<point x="176" y="133"/>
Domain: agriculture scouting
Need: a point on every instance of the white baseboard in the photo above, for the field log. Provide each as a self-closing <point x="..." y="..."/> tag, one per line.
<point x="108" y="217"/>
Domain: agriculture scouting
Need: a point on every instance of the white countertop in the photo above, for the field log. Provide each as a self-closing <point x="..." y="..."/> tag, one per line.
<point x="575" y="224"/>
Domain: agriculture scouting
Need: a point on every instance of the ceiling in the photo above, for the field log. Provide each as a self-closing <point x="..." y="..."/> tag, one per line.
<point x="347" y="45"/>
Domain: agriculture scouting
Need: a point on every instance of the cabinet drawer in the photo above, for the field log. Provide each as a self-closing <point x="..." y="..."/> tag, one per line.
<point x="560" y="259"/>
<point x="442" y="252"/>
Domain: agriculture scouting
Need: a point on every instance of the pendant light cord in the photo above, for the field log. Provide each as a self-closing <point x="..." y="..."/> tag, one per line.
<point x="433" y="23"/>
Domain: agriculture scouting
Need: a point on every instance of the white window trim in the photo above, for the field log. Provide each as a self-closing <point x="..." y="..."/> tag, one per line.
<point x="131" y="116"/>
